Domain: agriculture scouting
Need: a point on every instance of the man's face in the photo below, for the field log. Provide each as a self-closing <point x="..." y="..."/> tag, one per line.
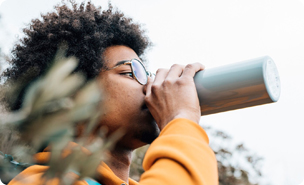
<point x="123" y="103"/>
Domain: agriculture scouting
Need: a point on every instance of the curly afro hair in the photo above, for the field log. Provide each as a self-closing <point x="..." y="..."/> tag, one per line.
<point x="86" y="29"/>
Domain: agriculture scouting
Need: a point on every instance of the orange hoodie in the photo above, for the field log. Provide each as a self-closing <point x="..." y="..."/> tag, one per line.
<point x="180" y="155"/>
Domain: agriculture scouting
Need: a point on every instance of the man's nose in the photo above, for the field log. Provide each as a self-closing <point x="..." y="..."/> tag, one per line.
<point x="148" y="85"/>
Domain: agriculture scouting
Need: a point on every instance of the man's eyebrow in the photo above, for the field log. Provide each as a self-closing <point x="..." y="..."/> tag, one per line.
<point x="116" y="65"/>
<point x="120" y="62"/>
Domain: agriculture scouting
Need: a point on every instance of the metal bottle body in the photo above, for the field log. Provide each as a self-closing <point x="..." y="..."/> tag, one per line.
<point x="234" y="86"/>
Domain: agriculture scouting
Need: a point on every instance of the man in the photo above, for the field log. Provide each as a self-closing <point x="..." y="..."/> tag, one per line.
<point x="164" y="111"/>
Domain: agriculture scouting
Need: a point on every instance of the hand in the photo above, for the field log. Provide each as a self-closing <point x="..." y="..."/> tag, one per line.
<point x="173" y="94"/>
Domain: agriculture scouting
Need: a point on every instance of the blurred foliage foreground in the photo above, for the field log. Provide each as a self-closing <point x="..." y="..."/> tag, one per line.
<point x="60" y="101"/>
<point x="53" y="107"/>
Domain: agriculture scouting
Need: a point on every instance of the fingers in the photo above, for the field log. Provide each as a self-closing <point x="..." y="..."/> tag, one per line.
<point x="161" y="74"/>
<point x="191" y="69"/>
<point x="175" y="71"/>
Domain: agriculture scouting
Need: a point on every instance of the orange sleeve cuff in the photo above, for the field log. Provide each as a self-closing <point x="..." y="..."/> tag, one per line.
<point x="180" y="155"/>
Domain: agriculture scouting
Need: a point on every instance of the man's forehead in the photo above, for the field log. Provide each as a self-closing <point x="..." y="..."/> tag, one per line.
<point x="114" y="55"/>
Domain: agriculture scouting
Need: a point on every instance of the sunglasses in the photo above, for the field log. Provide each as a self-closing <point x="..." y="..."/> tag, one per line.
<point x="139" y="72"/>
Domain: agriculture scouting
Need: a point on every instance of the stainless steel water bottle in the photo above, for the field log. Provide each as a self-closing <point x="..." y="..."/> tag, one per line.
<point x="239" y="85"/>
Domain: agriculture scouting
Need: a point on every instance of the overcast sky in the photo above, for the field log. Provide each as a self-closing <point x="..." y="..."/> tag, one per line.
<point x="215" y="33"/>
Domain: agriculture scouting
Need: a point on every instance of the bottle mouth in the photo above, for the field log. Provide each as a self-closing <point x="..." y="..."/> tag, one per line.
<point x="272" y="80"/>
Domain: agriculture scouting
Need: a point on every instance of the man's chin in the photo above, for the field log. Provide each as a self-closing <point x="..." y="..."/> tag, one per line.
<point x="148" y="135"/>
<point x="148" y="139"/>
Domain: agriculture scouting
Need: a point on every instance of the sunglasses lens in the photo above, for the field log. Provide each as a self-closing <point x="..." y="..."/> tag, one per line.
<point x="139" y="72"/>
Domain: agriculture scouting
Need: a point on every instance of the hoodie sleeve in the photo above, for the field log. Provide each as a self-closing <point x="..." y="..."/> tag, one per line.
<point x="180" y="155"/>
<point x="34" y="176"/>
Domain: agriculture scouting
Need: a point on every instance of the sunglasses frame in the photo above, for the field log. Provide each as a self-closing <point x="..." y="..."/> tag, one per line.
<point x="129" y="62"/>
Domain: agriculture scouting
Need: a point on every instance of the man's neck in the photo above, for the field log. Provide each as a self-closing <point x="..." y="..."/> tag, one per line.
<point x="119" y="160"/>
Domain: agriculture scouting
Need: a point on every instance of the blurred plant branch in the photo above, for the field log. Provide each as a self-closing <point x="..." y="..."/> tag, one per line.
<point x="237" y="165"/>
<point x="53" y="107"/>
